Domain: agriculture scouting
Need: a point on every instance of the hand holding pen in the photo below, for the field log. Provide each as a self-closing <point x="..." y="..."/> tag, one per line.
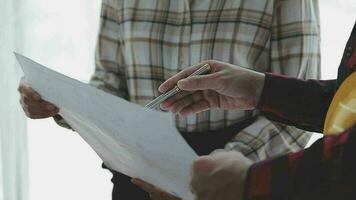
<point x="226" y="86"/>
<point x="157" y="101"/>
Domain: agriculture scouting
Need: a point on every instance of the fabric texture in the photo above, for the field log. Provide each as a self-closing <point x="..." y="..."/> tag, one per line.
<point x="326" y="169"/>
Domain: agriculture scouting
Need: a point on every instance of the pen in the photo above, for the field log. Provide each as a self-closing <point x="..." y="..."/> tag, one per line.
<point x="157" y="101"/>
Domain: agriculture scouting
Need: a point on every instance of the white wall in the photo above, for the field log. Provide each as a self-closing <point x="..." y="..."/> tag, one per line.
<point x="337" y="20"/>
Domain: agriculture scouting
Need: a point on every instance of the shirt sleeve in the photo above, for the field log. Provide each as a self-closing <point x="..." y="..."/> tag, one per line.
<point x="110" y="71"/>
<point x="297" y="102"/>
<point x="323" y="171"/>
<point x="295" y="39"/>
<point x="294" y="51"/>
<point x="264" y="139"/>
<point x="109" y="74"/>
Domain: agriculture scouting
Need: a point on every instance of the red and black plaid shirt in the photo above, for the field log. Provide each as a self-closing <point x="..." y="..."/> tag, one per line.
<point x="326" y="170"/>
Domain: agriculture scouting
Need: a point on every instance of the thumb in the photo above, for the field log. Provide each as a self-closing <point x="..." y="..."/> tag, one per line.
<point x="200" y="171"/>
<point x="200" y="82"/>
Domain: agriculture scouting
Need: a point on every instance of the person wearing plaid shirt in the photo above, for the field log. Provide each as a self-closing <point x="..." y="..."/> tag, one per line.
<point x="143" y="43"/>
<point x="326" y="170"/>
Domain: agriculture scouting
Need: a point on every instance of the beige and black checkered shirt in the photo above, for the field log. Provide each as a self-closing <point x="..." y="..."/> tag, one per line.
<point x="144" y="42"/>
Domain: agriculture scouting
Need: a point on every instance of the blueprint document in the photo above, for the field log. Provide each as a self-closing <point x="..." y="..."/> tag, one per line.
<point x="128" y="138"/>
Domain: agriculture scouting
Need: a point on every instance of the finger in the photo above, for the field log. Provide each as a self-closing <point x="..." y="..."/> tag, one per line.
<point x="167" y="103"/>
<point x="39" y="116"/>
<point x="202" y="164"/>
<point x="27" y="91"/>
<point x="32" y="101"/>
<point x="200" y="82"/>
<point x="200" y="170"/>
<point x="38" y="105"/>
<point x="39" y="112"/>
<point x="43" y="110"/>
<point x="171" y="82"/>
<point x="33" y="114"/>
<point x="194" y="108"/>
<point x="185" y="102"/>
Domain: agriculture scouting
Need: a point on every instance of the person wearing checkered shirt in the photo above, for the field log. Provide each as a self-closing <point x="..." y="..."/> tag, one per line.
<point x="143" y="43"/>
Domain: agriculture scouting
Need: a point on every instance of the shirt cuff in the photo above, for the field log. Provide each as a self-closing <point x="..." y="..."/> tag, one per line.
<point x="273" y="93"/>
<point x="258" y="185"/>
<point x="273" y="178"/>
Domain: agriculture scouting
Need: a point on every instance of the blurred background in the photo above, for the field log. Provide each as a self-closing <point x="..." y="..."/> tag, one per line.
<point x="38" y="159"/>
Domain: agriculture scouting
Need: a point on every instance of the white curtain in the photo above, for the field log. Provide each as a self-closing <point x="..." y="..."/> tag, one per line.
<point x="60" y="34"/>
<point x="13" y="139"/>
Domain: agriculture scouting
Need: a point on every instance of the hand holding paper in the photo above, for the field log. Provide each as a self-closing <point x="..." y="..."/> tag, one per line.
<point x="130" y="139"/>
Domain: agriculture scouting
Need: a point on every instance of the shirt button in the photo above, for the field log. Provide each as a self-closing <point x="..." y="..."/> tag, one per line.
<point x="349" y="51"/>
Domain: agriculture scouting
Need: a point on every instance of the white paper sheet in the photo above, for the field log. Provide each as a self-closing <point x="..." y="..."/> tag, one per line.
<point x="129" y="138"/>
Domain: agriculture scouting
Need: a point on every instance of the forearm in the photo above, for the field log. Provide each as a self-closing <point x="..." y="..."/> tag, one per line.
<point x="296" y="102"/>
<point x="294" y="52"/>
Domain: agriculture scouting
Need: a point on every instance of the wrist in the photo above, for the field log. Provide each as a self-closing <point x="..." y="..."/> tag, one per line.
<point x="241" y="190"/>
<point x="243" y="168"/>
<point x="259" y="85"/>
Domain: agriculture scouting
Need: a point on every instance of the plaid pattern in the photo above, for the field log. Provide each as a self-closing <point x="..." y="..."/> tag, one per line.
<point x="142" y="43"/>
<point x="327" y="169"/>
<point x="322" y="171"/>
<point x="265" y="139"/>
